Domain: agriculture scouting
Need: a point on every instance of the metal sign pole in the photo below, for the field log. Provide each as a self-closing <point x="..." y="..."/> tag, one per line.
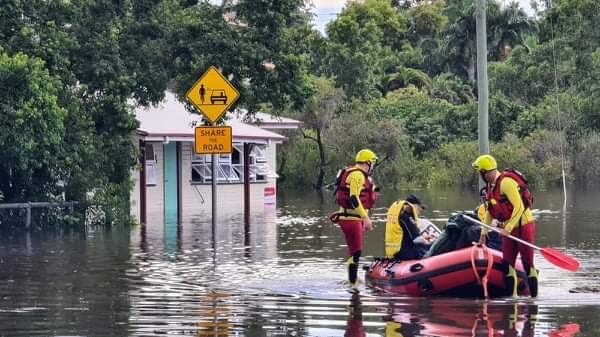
<point x="213" y="170"/>
<point x="214" y="190"/>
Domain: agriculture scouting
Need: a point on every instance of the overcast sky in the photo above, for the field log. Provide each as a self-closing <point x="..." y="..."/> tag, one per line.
<point x="326" y="10"/>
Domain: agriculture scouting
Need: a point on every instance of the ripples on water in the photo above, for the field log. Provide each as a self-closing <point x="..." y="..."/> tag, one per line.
<point x="281" y="276"/>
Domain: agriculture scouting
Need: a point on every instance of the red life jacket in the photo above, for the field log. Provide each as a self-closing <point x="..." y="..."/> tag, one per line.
<point x="502" y="208"/>
<point x="342" y="191"/>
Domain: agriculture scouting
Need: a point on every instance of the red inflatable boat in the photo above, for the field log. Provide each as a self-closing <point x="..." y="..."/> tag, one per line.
<point x="474" y="271"/>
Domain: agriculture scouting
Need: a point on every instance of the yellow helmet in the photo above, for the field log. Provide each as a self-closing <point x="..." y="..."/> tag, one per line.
<point x="366" y="156"/>
<point x="485" y="163"/>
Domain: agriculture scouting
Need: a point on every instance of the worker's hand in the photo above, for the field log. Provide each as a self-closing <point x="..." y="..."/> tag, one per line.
<point x="368" y="225"/>
<point x="428" y="238"/>
<point x="496" y="223"/>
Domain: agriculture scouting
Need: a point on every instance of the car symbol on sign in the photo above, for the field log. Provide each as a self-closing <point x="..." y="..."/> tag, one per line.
<point x="218" y="95"/>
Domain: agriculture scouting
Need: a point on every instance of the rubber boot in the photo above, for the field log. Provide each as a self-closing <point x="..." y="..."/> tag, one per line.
<point x="532" y="281"/>
<point x="511" y="282"/>
<point x="352" y="272"/>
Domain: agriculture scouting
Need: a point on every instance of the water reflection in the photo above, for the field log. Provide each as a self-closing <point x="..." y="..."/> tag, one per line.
<point x="452" y="318"/>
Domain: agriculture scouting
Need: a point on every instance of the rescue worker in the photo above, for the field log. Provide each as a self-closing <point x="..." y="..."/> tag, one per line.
<point x="403" y="240"/>
<point x="508" y="200"/>
<point x="355" y="194"/>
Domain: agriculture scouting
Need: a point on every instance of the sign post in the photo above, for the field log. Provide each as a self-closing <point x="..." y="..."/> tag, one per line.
<point x="212" y="95"/>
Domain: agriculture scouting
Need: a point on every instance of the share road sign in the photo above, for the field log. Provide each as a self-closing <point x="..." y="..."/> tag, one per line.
<point x="212" y="94"/>
<point x="213" y="139"/>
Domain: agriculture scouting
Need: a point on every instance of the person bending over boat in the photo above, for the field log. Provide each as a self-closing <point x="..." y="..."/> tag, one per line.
<point x="508" y="201"/>
<point x="355" y="194"/>
<point x="403" y="241"/>
<point x="491" y="239"/>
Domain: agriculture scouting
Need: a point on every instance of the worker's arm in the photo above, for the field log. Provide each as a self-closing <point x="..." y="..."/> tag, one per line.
<point x="484" y="216"/>
<point x="510" y="189"/>
<point x="356" y="181"/>
<point x="410" y="227"/>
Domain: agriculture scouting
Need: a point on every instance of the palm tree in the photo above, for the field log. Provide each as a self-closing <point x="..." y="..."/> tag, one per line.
<point x="506" y="28"/>
<point x="402" y="77"/>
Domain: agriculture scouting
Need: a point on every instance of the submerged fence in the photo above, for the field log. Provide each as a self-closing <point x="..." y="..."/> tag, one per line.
<point x="20" y="210"/>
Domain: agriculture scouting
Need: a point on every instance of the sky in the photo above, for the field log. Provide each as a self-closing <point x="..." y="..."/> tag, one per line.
<point x="327" y="10"/>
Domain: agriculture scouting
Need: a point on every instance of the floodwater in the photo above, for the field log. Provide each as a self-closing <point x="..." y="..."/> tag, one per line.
<point x="280" y="275"/>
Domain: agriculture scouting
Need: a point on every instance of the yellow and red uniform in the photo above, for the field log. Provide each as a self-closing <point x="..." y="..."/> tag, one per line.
<point x="506" y="199"/>
<point x="351" y="219"/>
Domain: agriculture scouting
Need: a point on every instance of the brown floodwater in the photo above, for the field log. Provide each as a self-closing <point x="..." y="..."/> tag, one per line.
<point x="280" y="275"/>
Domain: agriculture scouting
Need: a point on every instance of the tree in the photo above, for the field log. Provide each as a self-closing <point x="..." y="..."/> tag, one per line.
<point x="260" y="31"/>
<point x="317" y="116"/>
<point x="508" y="28"/>
<point x="505" y="30"/>
<point x="32" y="130"/>
<point x="360" y="126"/>
<point x="363" y="44"/>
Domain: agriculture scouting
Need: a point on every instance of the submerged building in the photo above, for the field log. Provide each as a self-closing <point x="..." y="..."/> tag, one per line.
<point x="172" y="184"/>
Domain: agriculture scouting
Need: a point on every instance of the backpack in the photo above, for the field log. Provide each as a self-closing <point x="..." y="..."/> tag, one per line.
<point x="524" y="191"/>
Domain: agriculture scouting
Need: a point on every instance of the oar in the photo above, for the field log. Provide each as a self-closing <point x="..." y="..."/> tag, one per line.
<point x="553" y="256"/>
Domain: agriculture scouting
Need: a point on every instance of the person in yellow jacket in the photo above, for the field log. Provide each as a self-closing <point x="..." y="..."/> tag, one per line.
<point x="355" y="194"/>
<point x="403" y="240"/>
<point x="508" y="203"/>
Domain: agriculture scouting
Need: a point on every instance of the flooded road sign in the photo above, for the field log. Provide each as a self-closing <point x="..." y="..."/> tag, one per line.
<point x="212" y="95"/>
<point x="213" y="139"/>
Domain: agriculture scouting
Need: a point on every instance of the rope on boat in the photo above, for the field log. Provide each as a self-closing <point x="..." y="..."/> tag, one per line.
<point x="490" y="262"/>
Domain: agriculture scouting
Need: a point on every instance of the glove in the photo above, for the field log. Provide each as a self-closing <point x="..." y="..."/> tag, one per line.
<point x="496" y="223"/>
<point x="368" y="224"/>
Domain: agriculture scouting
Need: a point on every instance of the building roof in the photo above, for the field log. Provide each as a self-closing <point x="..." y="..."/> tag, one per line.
<point x="170" y="120"/>
<point x="266" y="121"/>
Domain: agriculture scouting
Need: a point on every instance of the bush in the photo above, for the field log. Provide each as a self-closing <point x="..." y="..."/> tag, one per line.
<point x="587" y="160"/>
<point x="453" y="165"/>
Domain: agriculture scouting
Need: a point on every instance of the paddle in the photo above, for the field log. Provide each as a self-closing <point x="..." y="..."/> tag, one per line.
<point x="552" y="255"/>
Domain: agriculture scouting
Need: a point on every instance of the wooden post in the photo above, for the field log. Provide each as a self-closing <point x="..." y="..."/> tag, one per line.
<point x="247" y="149"/>
<point x="142" y="182"/>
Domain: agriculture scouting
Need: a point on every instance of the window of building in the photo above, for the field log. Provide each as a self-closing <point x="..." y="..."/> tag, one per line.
<point x="230" y="167"/>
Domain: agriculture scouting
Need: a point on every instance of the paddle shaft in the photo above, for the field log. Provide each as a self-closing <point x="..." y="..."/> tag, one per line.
<point x="502" y="233"/>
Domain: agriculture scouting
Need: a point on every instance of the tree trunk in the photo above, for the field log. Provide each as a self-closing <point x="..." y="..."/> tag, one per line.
<point x="281" y="170"/>
<point x="322" y="162"/>
<point x="471" y="68"/>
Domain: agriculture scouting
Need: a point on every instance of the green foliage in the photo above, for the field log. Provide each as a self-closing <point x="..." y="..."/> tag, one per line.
<point x="430" y="122"/>
<point x="587" y="160"/>
<point x="453" y="165"/>
<point x="301" y="159"/>
<point x="70" y="72"/>
<point x="363" y="45"/>
<point x="452" y="89"/>
<point x="361" y="128"/>
<point x="262" y="31"/>
<point x="32" y="129"/>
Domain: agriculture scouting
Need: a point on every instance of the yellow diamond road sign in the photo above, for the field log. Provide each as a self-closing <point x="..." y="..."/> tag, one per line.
<point x="212" y="95"/>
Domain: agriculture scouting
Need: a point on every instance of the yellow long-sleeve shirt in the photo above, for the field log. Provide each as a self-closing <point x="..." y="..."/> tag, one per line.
<point x="520" y="215"/>
<point x="355" y="181"/>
